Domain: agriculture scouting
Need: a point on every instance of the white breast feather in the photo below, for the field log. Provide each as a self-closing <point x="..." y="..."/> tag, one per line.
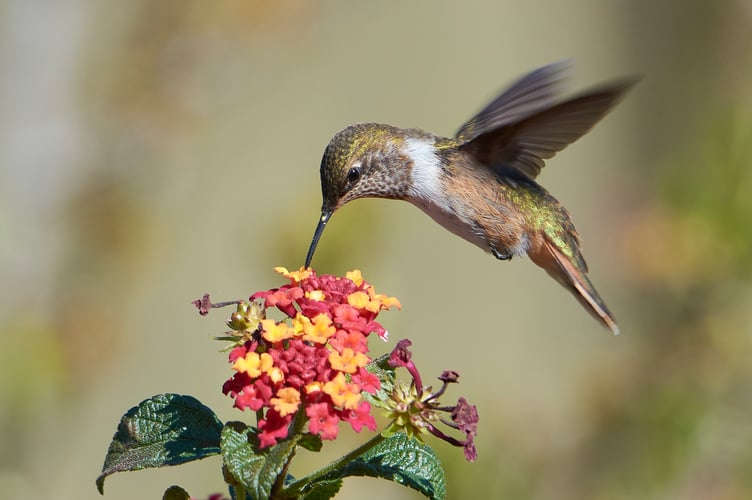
<point x="428" y="194"/>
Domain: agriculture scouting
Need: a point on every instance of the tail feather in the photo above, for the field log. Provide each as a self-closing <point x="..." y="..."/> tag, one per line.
<point x="563" y="270"/>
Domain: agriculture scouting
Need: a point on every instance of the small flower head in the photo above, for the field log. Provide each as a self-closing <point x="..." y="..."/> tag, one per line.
<point x="246" y="317"/>
<point x="313" y="358"/>
<point x="244" y="322"/>
<point x="416" y="410"/>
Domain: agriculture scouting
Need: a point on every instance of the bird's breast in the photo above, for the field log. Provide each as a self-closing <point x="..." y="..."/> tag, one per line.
<point x="453" y="221"/>
<point x="464" y="198"/>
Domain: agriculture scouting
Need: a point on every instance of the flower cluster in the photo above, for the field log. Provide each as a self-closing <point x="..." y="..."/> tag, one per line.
<point x="314" y="357"/>
<point x="416" y="409"/>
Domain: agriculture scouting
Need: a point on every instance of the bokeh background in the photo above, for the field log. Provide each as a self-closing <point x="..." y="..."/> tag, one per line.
<point x="153" y="151"/>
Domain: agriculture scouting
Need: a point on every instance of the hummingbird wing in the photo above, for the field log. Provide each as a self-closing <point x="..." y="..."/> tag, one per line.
<point x="533" y="92"/>
<point x="525" y="144"/>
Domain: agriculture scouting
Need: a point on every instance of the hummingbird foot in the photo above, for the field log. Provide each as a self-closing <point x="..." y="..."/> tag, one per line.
<point x="500" y="255"/>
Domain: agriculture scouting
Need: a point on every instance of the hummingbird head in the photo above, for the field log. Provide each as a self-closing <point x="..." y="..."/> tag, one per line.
<point x="363" y="160"/>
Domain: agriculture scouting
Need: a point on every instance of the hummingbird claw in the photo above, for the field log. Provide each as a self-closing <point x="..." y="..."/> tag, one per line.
<point x="501" y="255"/>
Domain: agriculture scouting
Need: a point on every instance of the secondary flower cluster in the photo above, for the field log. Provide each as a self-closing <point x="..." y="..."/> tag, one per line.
<point x="416" y="409"/>
<point x="315" y="356"/>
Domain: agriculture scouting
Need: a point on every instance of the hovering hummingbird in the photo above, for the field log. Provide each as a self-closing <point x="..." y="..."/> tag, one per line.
<point x="480" y="184"/>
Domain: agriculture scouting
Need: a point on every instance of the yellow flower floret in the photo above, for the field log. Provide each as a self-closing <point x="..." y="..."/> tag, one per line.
<point x="349" y="361"/>
<point x="300" y="324"/>
<point x="287" y="401"/>
<point x="319" y="329"/>
<point x="384" y="301"/>
<point x="317" y="295"/>
<point x="296" y="276"/>
<point x="276" y="375"/>
<point x="276" y="332"/>
<point x="372" y="301"/>
<point x="313" y="387"/>
<point x="253" y="364"/>
<point x="343" y="394"/>
<point x="361" y="300"/>
<point x="355" y="277"/>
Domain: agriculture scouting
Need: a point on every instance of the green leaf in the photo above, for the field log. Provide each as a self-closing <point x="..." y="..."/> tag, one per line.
<point x="323" y="490"/>
<point x="380" y="367"/>
<point x="311" y="442"/>
<point x="255" y="470"/>
<point x="400" y="459"/>
<point x="167" y="429"/>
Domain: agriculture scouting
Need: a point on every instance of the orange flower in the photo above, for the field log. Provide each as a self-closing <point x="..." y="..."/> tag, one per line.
<point x="253" y="364"/>
<point x="287" y="401"/>
<point x="355" y="277"/>
<point x="343" y="394"/>
<point x="276" y="332"/>
<point x="361" y="300"/>
<point x="349" y="361"/>
<point x="296" y="276"/>
<point x="319" y="329"/>
<point x="384" y="301"/>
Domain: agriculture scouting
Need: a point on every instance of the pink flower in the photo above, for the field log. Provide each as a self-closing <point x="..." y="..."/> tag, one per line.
<point x="360" y="417"/>
<point x="273" y="427"/>
<point x="322" y="421"/>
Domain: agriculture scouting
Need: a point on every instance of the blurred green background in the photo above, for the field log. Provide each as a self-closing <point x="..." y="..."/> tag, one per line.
<point x="153" y="151"/>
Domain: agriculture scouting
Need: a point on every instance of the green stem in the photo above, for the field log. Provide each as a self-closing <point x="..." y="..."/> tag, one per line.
<point x="296" y="432"/>
<point x="298" y="485"/>
<point x="240" y="492"/>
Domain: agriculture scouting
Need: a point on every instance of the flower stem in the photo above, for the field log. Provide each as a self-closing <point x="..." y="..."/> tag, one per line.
<point x="301" y="483"/>
<point x="239" y="491"/>
<point x="296" y="432"/>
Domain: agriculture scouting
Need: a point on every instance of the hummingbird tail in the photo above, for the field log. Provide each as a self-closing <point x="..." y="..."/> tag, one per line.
<point x="574" y="278"/>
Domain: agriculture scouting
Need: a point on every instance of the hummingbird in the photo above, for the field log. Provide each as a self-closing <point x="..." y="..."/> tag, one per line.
<point x="480" y="184"/>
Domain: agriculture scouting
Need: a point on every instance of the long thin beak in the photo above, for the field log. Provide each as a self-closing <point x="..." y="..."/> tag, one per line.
<point x="319" y="230"/>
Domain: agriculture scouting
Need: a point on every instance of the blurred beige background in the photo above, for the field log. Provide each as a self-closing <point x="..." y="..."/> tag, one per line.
<point x="153" y="151"/>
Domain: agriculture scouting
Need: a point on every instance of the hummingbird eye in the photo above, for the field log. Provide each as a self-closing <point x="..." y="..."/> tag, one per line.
<point x="353" y="175"/>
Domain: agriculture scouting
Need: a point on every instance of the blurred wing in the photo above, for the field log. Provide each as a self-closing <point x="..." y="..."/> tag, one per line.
<point x="528" y="142"/>
<point x="533" y="92"/>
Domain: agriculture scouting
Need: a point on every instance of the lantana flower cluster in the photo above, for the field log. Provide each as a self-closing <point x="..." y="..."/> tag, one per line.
<point x="416" y="409"/>
<point x="315" y="356"/>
